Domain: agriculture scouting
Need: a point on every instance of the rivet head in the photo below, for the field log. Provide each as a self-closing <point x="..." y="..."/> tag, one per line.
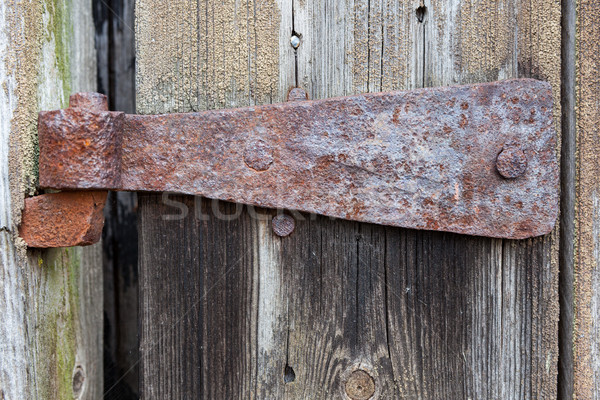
<point x="297" y="94"/>
<point x="511" y="162"/>
<point x="283" y="225"/>
<point x="295" y="41"/>
<point x="258" y="155"/>
<point x="89" y="101"/>
<point x="360" y="385"/>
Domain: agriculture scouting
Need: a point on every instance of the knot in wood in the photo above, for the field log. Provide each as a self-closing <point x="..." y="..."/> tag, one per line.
<point x="78" y="381"/>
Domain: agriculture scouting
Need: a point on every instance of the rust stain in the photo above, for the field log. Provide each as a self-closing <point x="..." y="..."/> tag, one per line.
<point x="355" y="157"/>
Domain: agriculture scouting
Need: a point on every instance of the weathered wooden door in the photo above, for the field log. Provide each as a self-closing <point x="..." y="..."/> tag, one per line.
<point x="337" y="309"/>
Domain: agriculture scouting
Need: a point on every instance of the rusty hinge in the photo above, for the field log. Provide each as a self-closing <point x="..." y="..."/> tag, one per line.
<point x="475" y="159"/>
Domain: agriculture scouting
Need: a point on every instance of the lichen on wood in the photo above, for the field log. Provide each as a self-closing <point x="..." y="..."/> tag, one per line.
<point x="196" y="56"/>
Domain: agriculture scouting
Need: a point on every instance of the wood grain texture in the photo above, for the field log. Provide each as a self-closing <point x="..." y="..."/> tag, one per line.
<point x="243" y="314"/>
<point x="587" y="273"/>
<point x="50" y="335"/>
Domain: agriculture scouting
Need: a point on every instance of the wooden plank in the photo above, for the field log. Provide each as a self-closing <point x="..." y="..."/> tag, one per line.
<point x="51" y="335"/>
<point x="587" y="276"/>
<point x="223" y="54"/>
<point x="428" y="315"/>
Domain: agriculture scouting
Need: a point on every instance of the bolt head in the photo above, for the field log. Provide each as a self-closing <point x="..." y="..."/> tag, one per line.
<point x="511" y="162"/>
<point x="89" y="101"/>
<point x="283" y="225"/>
<point x="295" y="41"/>
<point x="297" y="94"/>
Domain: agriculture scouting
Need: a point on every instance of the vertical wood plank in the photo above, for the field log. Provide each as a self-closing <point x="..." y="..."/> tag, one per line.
<point x="222" y="274"/>
<point x="51" y="333"/>
<point x="224" y="54"/>
<point x="587" y="277"/>
<point x="568" y="180"/>
<point x="508" y="308"/>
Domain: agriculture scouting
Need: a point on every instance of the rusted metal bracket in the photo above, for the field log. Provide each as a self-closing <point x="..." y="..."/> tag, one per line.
<point x="476" y="159"/>
<point x="68" y="218"/>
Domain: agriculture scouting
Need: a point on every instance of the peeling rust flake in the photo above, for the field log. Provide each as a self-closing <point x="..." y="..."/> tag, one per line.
<point x="475" y="159"/>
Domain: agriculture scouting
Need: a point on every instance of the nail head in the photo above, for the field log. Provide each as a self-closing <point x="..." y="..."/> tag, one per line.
<point x="283" y="225"/>
<point x="297" y="94"/>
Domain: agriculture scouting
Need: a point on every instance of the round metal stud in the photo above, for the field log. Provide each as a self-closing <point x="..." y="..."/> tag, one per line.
<point x="295" y="41"/>
<point x="283" y="225"/>
<point x="360" y="385"/>
<point x="511" y="162"/>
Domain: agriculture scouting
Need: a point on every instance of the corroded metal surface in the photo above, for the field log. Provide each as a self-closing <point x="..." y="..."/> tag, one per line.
<point x="283" y="225"/>
<point x="360" y="386"/>
<point x="81" y="145"/>
<point x="512" y="161"/>
<point x="63" y="219"/>
<point x="424" y="159"/>
<point x="71" y="218"/>
<point x="297" y="94"/>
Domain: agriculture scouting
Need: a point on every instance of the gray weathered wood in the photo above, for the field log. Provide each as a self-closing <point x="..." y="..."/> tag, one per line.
<point x="587" y="273"/>
<point x="230" y="311"/>
<point x="51" y="330"/>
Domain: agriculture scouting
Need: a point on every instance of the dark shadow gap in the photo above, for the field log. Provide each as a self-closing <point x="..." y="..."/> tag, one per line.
<point x="568" y="198"/>
<point x="115" y="52"/>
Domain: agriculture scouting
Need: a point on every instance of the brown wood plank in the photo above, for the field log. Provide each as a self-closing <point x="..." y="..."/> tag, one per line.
<point x="587" y="277"/>
<point x="428" y="315"/>
<point x="508" y="307"/>
<point x="199" y="287"/>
